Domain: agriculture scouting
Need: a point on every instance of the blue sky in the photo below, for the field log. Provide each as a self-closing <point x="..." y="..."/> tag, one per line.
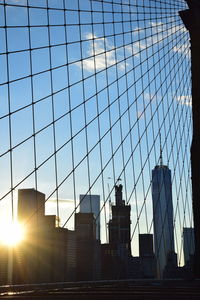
<point x="101" y="75"/>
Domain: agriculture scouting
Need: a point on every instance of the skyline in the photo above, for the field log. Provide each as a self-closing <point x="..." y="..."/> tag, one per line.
<point x="39" y="235"/>
<point x="161" y="183"/>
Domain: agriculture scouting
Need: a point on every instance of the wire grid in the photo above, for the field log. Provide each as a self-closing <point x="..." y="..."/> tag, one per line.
<point x="88" y="89"/>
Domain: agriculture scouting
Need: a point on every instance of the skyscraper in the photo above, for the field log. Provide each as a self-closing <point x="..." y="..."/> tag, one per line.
<point x="31" y="206"/>
<point x="116" y="256"/>
<point x="91" y="204"/>
<point x="162" y="215"/>
<point x="146" y="245"/>
<point x="87" y="258"/>
<point x="147" y="257"/>
<point x="188" y="243"/>
<point x="47" y="253"/>
<point x="119" y="225"/>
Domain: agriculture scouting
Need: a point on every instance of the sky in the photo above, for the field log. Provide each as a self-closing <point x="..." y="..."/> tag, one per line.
<point x="103" y="94"/>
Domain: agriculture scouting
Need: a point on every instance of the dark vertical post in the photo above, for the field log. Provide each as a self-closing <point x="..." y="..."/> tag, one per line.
<point x="191" y="19"/>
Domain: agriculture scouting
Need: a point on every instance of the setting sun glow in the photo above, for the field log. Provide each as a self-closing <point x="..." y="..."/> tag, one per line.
<point x="11" y="233"/>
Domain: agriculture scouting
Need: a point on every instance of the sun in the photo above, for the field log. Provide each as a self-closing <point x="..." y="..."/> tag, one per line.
<point x="11" y="233"/>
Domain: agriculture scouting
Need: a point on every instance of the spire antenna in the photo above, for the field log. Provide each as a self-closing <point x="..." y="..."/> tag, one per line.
<point x="161" y="152"/>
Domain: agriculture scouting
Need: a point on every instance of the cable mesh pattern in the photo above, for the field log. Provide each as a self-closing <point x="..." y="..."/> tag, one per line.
<point x="89" y="92"/>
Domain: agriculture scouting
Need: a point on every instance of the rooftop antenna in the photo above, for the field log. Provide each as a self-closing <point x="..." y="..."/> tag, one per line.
<point x="118" y="179"/>
<point x="110" y="203"/>
<point x="161" y="152"/>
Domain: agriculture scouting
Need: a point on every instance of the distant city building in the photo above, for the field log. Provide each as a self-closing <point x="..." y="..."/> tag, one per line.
<point x="71" y="256"/>
<point x="31" y="206"/>
<point x="116" y="256"/>
<point x="5" y="277"/>
<point x="48" y="253"/>
<point x="146" y="245"/>
<point x="119" y="225"/>
<point x="147" y="257"/>
<point x="162" y="216"/>
<point x="171" y="269"/>
<point x="188" y="244"/>
<point x="91" y="204"/>
<point x="110" y="262"/>
<point x="87" y="248"/>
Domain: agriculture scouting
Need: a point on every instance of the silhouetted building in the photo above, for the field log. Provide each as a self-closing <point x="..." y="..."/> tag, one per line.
<point x="31" y="207"/>
<point x="148" y="261"/>
<point x="43" y="255"/>
<point x="88" y="258"/>
<point x="171" y="269"/>
<point x="146" y="245"/>
<point x="5" y="277"/>
<point x="188" y="244"/>
<point x="91" y="204"/>
<point x="135" y="268"/>
<point x="113" y="266"/>
<point x="162" y="215"/>
<point x="119" y="225"/>
<point x="109" y="262"/>
<point x="57" y="252"/>
<point x="71" y="256"/>
<point x="116" y="255"/>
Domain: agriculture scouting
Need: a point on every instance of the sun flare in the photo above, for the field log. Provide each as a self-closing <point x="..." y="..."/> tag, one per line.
<point x="11" y="233"/>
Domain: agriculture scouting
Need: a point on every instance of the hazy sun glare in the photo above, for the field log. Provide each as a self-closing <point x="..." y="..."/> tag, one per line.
<point x="11" y="233"/>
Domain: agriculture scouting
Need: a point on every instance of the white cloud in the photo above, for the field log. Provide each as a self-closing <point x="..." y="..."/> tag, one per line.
<point x="182" y="49"/>
<point x="185" y="100"/>
<point x="101" y="55"/>
<point x="71" y="201"/>
<point x="150" y="97"/>
<point x="159" y="32"/>
<point x="135" y="48"/>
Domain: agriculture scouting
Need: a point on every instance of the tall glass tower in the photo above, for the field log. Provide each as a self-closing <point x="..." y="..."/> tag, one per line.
<point x="162" y="215"/>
